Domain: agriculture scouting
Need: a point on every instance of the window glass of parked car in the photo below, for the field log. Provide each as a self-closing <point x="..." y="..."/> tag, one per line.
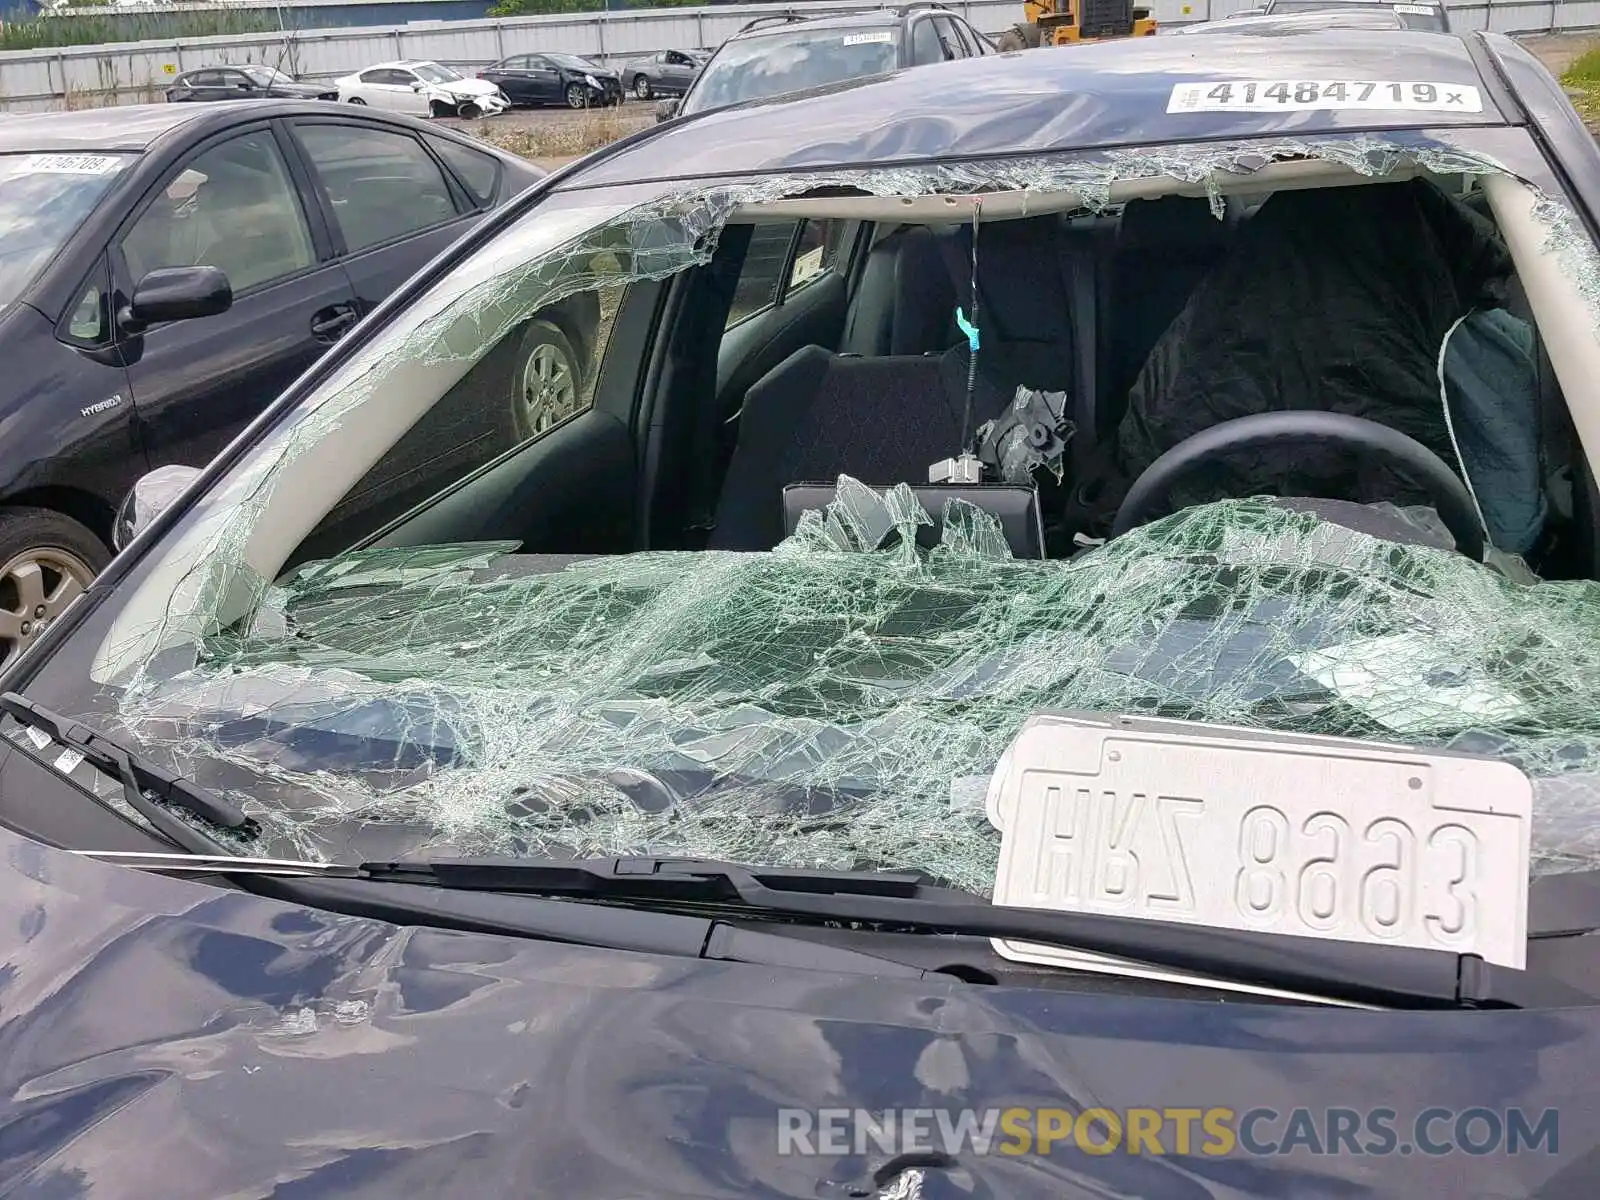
<point x="381" y="185"/>
<point x="478" y="171"/>
<point x="43" y="200"/>
<point x="266" y="76"/>
<point x="753" y="68"/>
<point x="782" y="258"/>
<point x="1412" y="16"/>
<point x="950" y="34"/>
<point x="926" y="46"/>
<point x="434" y="73"/>
<point x="233" y="207"/>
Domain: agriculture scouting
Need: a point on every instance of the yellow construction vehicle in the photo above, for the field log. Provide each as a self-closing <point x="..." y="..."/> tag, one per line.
<point x="1069" y="22"/>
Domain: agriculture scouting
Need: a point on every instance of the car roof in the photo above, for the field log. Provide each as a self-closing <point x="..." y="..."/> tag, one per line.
<point x="132" y="127"/>
<point x="875" y="19"/>
<point x="1097" y="96"/>
<point x="138" y="127"/>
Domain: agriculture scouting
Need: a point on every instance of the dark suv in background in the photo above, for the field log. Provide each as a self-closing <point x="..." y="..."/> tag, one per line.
<point x="783" y="53"/>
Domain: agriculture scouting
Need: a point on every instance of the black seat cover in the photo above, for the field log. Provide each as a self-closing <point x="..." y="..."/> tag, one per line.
<point x="1024" y="311"/>
<point x="819" y="415"/>
<point x="1165" y="247"/>
<point x="905" y="303"/>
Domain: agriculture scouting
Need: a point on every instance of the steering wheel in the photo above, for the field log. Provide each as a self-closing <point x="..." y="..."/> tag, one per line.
<point x="1262" y="431"/>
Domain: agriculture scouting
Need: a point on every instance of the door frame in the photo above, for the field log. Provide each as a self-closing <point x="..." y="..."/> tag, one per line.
<point x="315" y="217"/>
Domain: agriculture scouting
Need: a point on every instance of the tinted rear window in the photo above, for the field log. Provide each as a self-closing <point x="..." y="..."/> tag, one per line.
<point x="754" y="68"/>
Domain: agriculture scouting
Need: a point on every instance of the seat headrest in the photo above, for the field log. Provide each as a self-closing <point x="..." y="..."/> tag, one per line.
<point x="1171" y="222"/>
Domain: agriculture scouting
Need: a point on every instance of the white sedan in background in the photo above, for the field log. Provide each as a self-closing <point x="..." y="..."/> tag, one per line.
<point x="422" y="89"/>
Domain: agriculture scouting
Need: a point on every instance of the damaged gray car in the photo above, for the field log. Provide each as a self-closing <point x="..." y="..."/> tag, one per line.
<point x="1106" y="384"/>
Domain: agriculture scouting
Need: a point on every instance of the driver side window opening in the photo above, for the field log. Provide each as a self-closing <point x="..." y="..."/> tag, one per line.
<point x="868" y="377"/>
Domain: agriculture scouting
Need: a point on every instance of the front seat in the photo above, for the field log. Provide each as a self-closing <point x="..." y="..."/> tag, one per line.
<point x="904" y="303"/>
<point x="819" y="415"/>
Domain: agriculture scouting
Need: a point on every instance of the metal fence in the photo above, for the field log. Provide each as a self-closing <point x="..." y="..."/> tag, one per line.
<point x="137" y="72"/>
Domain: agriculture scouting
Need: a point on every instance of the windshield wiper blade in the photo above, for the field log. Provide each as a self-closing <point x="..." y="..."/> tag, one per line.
<point x="139" y="775"/>
<point x="1349" y="972"/>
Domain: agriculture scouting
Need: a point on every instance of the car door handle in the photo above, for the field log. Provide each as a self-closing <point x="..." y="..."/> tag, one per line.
<point x="331" y="322"/>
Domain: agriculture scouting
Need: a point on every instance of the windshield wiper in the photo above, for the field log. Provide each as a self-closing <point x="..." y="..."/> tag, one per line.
<point x="139" y="775"/>
<point x="1352" y="972"/>
<point x="1345" y="972"/>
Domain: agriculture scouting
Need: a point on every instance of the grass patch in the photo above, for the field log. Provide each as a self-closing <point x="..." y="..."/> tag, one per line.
<point x="33" y="33"/>
<point x="1582" y="81"/>
<point x="567" y="139"/>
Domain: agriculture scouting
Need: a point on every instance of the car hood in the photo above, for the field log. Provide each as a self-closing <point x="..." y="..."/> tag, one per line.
<point x="466" y="87"/>
<point x="310" y="90"/>
<point x="162" y="1037"/>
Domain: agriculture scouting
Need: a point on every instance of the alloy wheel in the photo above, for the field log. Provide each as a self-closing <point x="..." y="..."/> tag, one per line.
<point x="35" y="588"/>
<point x="549" y="388"/>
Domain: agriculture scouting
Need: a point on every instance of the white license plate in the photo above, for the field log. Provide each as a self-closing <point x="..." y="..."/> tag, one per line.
<point x="1282" y="833"/>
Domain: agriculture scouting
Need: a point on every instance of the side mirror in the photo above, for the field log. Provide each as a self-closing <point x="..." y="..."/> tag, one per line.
<point x="150" y="497"/>
<point x="667" y="109"/>
<point x="176" y="294"/>
<point x="417" y="85"/>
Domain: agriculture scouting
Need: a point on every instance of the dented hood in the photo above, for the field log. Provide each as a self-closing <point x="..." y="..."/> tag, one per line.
<point x="159" y="1037"/>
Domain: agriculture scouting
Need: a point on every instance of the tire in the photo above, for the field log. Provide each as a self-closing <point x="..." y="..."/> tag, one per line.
<point x="577" y="96"/>
<point x="546" y="380"/>
<point x="357" y="100"/>
<point x="642" y="88"/>
<point x="46" y="559"/>
<point x="468" y="111"/>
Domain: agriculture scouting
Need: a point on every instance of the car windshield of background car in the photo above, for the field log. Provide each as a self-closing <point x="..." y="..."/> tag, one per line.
<point x="792" y="61"/>
<point x="43" y="200"/>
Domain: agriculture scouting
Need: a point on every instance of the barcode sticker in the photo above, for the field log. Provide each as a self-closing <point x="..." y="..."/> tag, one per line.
<point x="867" y="39"/>
<point x="1307" y="95"/>
<point x="38" y="737"/>
<point x="71" y="164"/>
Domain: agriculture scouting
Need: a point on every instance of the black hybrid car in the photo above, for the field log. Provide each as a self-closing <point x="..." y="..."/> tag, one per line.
<point x="246" y="81"/>
<point x="167" y="270"/>
<point x="1199" y="800"/>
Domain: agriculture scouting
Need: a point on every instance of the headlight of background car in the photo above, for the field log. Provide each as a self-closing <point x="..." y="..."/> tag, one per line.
<point x="592" y="81"/>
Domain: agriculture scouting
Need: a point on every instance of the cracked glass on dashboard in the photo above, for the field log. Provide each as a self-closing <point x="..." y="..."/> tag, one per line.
<point x="841" y="699"/>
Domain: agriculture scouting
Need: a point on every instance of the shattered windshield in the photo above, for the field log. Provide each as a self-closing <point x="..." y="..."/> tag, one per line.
<point x="841" y="698"/>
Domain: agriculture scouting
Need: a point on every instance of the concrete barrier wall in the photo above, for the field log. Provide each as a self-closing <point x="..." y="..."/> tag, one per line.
<point x="137" y="72"/>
